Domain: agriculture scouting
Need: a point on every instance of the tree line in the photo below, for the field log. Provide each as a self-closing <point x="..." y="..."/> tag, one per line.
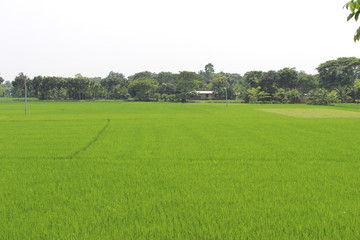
<point x="337" y="81"/>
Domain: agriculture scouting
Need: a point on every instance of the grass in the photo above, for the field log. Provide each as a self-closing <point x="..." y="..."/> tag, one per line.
<point x="314" y="113"/>
<point x="10" y="99"/>
<point x="117" y="170"/>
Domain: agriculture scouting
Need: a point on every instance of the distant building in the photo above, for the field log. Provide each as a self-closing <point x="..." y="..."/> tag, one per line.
<point x="204" y="95"/>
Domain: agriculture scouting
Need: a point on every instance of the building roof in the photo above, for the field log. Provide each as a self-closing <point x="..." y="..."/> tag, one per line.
<point x="204" y="92"/>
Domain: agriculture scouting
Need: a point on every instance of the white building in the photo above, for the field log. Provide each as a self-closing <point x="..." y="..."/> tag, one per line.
<point x="205" y="95"/>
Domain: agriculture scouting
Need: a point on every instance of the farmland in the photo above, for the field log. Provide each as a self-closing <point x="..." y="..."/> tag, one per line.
<point x="118" y="170"/>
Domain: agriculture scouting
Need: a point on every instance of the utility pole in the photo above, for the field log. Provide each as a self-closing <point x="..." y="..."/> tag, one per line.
<point x="25" y="97"/>
<point x="226" y="96"/>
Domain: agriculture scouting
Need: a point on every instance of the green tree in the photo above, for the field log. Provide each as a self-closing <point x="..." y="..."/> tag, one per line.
<point x="343" y="93"/>
<point x="333" y="97"/>
<point x="292" y="96"/>
<point x="209" y="71"/>
<point x="36" y="84"/>
<point x="220" y="85"/>
<point x="280" y="95"/>
<point x="354" y="7"/>
<point x="113" y="80"/>
<point x="47" y="87"/>
<point x="357" y="84"/>
<point x="143" y="89"/>
<point x="186" y="83"/>
<point x="8" y="89"/>
<point x="207" y="74"/>
<point x="2" y="89"/>
<point x="306" y="82"/>
<point x="166" y="88"/>
<point x="339" y="72"/>
<point x="268" y="81"/>
<point x="319" y="96"/>
<point x="145" y="74"/>
<point x="356" y="89"/>
<point x="96" y="89"/>
<point x="258" y="96"/>
<point x="251" y="79"/>
<point x="78" y="88"/>
<point x="165" y="77"/>
<point x="19" y="84"/>
<point x="287" y="78"/>
<point x="121" y="92"/>
<point x="209" y="68"/>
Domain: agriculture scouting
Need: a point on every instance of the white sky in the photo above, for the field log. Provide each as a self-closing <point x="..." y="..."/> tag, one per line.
<point x="94" y="37"/>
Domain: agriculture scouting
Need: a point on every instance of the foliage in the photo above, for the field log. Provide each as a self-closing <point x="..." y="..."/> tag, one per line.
<point x="219" y="85"/>
<point x="186" y="83"/>
<point x="241" y="93"/>
<point x="121" y="92"/>
<point x="251" y="79"/>
<point x="8" y="89"/>
<point x="78" y="88"/>
<point x="357" y="84"/>
<point x="319" y="96"/>
<point x="168" y="97"/>
<point x="167" y="88"/>
<point x="143" y="88"/>
<point x="208" y="73"/>
<point x="343" y="94"/>
<point x="112" y="83"/>
<point x="286" y="85"/>
<point x="145" y="74"/>
<point x="333" y="97"/>
<point x="307" y="82"/>
<point x="356" y="90"/>
<point x="292" y="96"/>
<point x="288" y="78"/>
<point x="268" y="81"/>
<point x="225" y="83"/>
<point x="354" y="7"/>
<point x="19" y="84"/>
<point x="258" y="96"/>
<point x="280" y="96"/>
<point x="2" y="88"/>
<point x="165" y="77"/>
<point x="209" y="68"/>
<point x="339" y="72"/>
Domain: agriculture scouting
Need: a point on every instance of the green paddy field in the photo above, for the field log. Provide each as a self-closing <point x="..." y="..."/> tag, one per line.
<point x="117" y="170"/>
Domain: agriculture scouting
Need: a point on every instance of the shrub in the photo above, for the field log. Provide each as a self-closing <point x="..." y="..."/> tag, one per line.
<point x="319" y="96"/>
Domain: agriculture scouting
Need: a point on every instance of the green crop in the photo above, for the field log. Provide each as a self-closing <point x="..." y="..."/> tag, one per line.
<point x="117" y="170"/>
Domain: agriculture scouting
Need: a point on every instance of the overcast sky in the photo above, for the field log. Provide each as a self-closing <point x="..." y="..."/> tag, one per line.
<point x="91" y="37"/>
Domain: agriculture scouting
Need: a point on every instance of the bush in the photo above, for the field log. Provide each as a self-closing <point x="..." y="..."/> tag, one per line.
<point x="258" y="96"/>
<point x="319" y="96"/>
<point x="292" y="96"/>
